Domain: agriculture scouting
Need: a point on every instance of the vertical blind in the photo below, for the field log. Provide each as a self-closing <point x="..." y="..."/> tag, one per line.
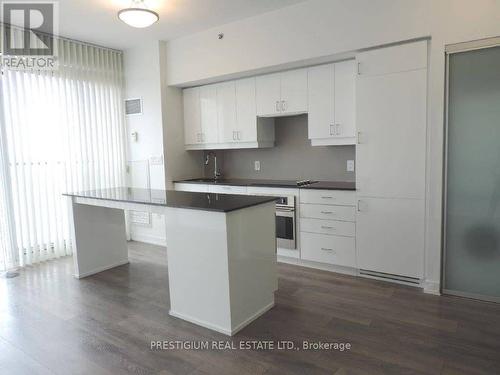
<point x="63" y="131"/>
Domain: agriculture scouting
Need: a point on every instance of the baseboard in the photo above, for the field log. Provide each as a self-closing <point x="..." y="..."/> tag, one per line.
<point x="146" y="238"/>
<point x="100" y="269"/>
<point x="319" y="266"/>
<point x="246" y="322"/>
<point x="431" y="287"/>
<point x="213" y="327"/>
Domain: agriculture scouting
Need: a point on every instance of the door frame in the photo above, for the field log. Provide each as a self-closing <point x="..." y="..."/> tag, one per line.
<point x="451" y="49"/>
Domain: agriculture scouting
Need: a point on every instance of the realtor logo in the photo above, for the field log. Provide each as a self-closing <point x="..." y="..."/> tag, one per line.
<point x="28" y="30"/>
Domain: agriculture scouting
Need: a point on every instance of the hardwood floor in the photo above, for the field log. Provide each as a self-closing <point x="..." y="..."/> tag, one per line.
<point x="51" y="323"/>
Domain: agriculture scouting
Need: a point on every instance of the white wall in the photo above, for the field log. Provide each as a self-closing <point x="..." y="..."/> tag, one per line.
<point x="316" y="30"/>
<point x="180" y="164"/>
<point x="160" y="132"/>
<point x="306" y="31"/>
<point x="142" y="72"/>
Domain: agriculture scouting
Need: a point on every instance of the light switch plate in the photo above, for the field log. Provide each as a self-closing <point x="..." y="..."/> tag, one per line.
<point x="257" y="165"/>
<point x="350" y="165"/>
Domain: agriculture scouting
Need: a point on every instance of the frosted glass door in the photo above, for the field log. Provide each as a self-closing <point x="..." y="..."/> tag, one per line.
<point x="472" y="230"/>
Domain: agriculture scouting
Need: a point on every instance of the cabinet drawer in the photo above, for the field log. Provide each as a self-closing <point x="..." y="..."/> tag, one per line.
<point x="227" y="189"/>
<point x="197" y="188"/>
<point x="340" y="197"/>
<point x="328" y="249"/>
<point x="320" y="211"/>
<point x="339" y="228"/>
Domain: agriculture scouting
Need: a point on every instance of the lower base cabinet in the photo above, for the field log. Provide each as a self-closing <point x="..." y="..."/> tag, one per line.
<point x="390" y="236"/>
<point x="336" y="250"/>
<point x="328" y="227"/>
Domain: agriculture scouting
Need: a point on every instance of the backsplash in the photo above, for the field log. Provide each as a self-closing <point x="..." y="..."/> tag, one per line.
<point x="292" y="158"/>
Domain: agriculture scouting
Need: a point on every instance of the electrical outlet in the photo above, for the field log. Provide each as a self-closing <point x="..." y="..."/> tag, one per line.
<point x="156" y="160"/>
<point x="257" y="165"/>
<point x="350" y="165"/>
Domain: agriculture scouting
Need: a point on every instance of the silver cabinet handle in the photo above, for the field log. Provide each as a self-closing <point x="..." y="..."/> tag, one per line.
<point x="277" y="105"/>
<point x="359" y="210"/>
<point x="327" y="212"/>
<point x="359" y="68"/>
<point x="326" y="227"/>
<point x="359" y="138"/>
<point x="327" y="197"/>
<point x="234" y="135"/>
<point x="283" y="106"/>
<point x="337" y="129"/>
<point x="332" y="131"/>
<point x="238" y="133"/>
<point x="327" y="249"/>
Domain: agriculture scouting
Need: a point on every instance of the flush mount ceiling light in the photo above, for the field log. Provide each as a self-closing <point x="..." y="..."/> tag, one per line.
<point x="137" y="15"/>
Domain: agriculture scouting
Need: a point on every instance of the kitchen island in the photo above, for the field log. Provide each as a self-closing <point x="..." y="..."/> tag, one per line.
<point x="221" y="249"/>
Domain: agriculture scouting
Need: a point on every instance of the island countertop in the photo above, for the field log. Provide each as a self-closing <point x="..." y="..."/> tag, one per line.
<point x="173" y="198"/>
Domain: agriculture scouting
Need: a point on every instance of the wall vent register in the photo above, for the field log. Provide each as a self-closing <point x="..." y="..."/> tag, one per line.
<point x="133" y="107"/>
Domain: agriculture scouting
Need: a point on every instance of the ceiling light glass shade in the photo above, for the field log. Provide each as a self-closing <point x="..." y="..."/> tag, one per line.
<point x="138" y="17"/>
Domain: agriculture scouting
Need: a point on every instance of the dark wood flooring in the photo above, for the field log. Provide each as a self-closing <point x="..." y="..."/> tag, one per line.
<point x="51" y="323"/>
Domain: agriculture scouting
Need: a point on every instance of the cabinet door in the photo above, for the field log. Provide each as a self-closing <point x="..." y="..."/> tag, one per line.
<point x="294" y="91"/>
<point x="208" y="104"/>
<point x="192" y="127"/>
<point x="268" y="94"/>
<point x="246" y="112"/>
<point x="226" y="112"/>
<point x="345" y="82"/>
<point x="321" y="101"/>
<point x="390" y="236"/>
<point x="391" y="121"/>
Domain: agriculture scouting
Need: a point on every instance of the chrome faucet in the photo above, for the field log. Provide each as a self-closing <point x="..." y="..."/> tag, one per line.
<point x="217" y="173"/>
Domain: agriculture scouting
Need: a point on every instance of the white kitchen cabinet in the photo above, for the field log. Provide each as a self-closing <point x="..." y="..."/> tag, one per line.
<point x="194" y="187"/>
<point x="223" y="116"/>
<point x="391" y="121"/>
<point x="268" y="94"/>
<point x="390" y="159"/>
<point x="294" y="91"/>
<point x="336" y="250"/>
<point x="331" y="104"/>
<point x="345" y="101"/>
<point x="192" y="124"/>
<point x="246" y="111"/>
<point x="227" y="189"/>
<point x="208" y="105"/>
<point x="390" y="236"/>
<point x="282" y="93"/>
<point x="321" y="117"/>
<point x="226" y="111"/>
<point x="343" y="213"/>
<point x="328" y="197"/>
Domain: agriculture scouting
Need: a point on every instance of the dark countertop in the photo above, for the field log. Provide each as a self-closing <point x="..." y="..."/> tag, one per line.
<point x="178" y="199"/>
<point x="325" y="185"/>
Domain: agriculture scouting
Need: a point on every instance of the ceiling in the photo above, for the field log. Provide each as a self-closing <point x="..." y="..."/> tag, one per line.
<point x="96" y="21"/>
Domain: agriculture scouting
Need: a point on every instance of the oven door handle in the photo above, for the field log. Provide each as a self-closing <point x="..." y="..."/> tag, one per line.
<point x="285" y="209"/>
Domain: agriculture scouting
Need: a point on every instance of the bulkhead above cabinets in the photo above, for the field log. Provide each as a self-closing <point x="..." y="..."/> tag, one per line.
<point x="240" y="113"/>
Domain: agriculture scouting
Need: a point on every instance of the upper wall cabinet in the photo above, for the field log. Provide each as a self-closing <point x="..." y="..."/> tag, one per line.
<point x="331" y="98"/>
<point x="282" y="94"/>
<point x="192" y="121"/>
<point x="223" y="116"/>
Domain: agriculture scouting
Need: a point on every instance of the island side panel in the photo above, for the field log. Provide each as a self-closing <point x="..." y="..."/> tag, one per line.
<point x="252" y="262"/>
<point x="198" y="268"/>
<point x="98" y="238"/>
